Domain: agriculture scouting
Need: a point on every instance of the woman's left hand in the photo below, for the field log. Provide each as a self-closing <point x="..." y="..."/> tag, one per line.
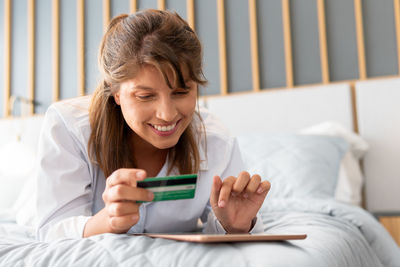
<point x="236" y="200"/>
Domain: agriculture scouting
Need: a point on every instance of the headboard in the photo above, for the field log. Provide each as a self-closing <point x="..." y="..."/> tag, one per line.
<point x="285" y="110"/>
<point x="378" y="111"/>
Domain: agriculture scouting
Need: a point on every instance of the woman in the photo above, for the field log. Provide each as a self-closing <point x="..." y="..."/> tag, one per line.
<point x="142" y="122"/>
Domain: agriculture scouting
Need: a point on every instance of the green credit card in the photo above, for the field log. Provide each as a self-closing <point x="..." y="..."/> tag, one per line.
<point x="170" y="187"/>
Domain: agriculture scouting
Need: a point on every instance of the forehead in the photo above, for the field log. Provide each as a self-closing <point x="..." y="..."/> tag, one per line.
<point x="150" y="75"/>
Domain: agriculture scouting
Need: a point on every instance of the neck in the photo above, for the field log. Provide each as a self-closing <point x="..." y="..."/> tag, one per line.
<point x="147" y="157"/>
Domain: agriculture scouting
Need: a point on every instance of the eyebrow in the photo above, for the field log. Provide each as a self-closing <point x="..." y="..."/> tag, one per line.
<point x="143" y="87"/>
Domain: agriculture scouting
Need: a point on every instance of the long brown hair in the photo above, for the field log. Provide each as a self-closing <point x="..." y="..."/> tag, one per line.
<point x="150" y="37"/>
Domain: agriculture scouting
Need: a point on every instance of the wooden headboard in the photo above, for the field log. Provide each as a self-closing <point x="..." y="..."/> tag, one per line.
<point x="27" y="23"/>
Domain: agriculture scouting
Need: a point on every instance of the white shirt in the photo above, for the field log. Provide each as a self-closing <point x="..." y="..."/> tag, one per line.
<point x="70" y="187"/>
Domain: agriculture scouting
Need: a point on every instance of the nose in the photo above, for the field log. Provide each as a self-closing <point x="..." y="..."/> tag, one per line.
<point x="166" y="110"/>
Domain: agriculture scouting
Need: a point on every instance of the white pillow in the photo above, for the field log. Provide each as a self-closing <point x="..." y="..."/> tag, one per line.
<point x="18" y="145"/>
<point x="350" y="180"/>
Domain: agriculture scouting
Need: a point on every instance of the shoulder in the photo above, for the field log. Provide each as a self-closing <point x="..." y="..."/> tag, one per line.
<point x="71" y="115"/>
<point x="74" y="109"/>
<point x="213" y="125"/>
<point x="215" y="137"/>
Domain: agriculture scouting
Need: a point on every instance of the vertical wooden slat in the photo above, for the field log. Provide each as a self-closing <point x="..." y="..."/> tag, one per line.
<point x="362" y="69"/>
<point x="222" y="47"/>
<point x="255" y="71"/>
<point x="31" y="54"/>
<point x="56" y="49"/>
<point x="354" y="106"/>
<point x="81" y="46"/>
<point x="133" y="6"/>
<point x="106" y="14"/>
<point x="322" y="41"/>
<point x="190" y="13"/>
<point x="7" y="56"/>
<point x="397" y="21"/>
<point x="161" y="4"/>
<point x="287" y="43"/>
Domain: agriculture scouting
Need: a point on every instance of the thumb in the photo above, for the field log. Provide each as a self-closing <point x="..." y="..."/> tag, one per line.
<point x="215" y="189"/>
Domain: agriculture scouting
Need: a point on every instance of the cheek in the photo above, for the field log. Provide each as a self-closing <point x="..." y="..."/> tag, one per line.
<point x="134" y="113"/>
<point x="188" y="107"/>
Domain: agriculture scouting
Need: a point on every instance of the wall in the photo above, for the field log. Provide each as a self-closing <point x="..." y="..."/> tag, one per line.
<point x="379" y="34"/>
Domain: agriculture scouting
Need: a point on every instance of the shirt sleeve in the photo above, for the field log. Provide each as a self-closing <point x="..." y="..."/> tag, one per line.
<point x="63" y="181"/>
<point x="234" y="167"/>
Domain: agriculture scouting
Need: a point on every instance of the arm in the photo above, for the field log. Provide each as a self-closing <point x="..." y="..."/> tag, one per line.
<point x="63" y="181"/>
<point x="65" y="187"/>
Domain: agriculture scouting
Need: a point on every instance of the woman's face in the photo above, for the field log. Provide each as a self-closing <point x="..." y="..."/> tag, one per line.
<point x="157" y="114"/>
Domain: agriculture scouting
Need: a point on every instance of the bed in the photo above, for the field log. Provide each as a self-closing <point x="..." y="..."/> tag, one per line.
<point x="329" y="150"/>
<point x="303" y="141"/>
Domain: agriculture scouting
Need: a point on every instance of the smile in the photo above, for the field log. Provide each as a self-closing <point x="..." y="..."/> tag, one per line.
<point x="164" y="128"/>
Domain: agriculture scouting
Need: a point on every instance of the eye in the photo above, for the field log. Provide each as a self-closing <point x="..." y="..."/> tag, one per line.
<point x="145" y="97"/>
<point x="181" y="92"/>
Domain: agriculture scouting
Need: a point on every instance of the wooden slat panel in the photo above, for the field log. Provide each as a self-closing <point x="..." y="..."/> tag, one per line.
<point x="190" y="13"/>
<point x="397" y="21"/>
<point x="31" y="54"/>
<point x="81" y="46"/>
<point x="222" y="47"/>
<point x="255" y="70"/>
<point x="56" y="49"/>
<point x="106" y="14"/>
<point x="161" y="4"/>
<point x="7" y="56"/>
<point x="322" y="41"/>
<point x="133" y="6"/>
<point x="287" y="43"/>
<point x="362" y="68"/>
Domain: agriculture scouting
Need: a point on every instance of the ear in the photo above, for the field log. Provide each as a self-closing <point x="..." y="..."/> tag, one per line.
<point x="116" y="98"/>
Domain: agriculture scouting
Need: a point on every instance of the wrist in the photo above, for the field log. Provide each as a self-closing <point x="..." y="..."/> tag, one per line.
<point x="233" y="229"/>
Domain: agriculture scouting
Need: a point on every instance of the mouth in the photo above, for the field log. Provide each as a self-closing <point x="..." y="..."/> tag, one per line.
<point x="164" y="130"/>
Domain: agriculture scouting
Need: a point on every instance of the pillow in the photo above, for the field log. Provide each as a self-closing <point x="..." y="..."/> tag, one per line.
<point x="298" y="166"/>
<point x="17" y="160"/>
<point x="18" y="145"/>
<point x="350" y="180"/>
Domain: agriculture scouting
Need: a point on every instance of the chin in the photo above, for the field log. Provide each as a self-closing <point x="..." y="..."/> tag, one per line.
<point x="165" y="145"/>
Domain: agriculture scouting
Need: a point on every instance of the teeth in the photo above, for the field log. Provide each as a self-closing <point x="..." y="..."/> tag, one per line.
<point x="164" y="128"/>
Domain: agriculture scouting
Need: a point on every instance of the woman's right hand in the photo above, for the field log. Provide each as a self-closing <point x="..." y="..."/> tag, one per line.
<point x="120" y="197"/>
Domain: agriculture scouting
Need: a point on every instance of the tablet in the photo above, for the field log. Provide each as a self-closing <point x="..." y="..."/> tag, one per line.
<point x="218" y="238"/>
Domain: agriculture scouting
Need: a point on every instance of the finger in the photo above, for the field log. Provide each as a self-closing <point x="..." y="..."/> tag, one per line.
<point x="264" y="187"/>
<point x="123" y="223"/>
<point x="123" y="192"/>
<point x="125" y="176"/>
<point x="241" y="182"/>
<point x="118" y="209"/>
<point x="225" y="191"/>
<point x="253" y="184"/>
<point x="215" y="189"/>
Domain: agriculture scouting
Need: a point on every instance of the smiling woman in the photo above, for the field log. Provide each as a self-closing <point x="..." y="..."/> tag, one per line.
<point x="142" y="122"/>
<point x="153" y="110"/>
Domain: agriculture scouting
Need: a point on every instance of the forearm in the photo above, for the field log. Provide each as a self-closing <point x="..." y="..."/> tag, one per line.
<point x="97" y="224"/>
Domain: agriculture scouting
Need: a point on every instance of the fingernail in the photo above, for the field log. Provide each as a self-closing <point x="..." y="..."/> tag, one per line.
<point x="135" y="217"/>
<point x="221" y="204"/>
<point x="151" y="195"/>
<point x="234" y="194"/>
<point x="140" y="174"/>
<point x="245" y="195"/>
<point x="260" y="190"/>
